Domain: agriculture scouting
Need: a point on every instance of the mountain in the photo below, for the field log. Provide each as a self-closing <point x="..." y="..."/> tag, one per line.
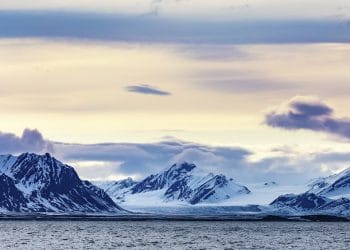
<point x="177" y="183"/>
<point x="11" y="199"/>
<point x="117" y="189"/>
<point x="337" y="185"/>
<point x="167" y="178"/>
<point x="40" y="183"/>
<point x="310" y="203"/>
<point x="302" y="202"/>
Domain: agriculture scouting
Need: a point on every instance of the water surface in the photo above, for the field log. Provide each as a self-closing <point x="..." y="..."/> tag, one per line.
<point x="173" y="235"/>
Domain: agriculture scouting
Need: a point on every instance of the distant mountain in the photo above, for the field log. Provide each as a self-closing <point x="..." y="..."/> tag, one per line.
<point x="178" y="183"/>
<point x="40" y="183"/>
<point x="302" y="202"/>
<point x="165" y="179"/>
<point x="117" y="189"/>
<point x="337" y="185"/>
<point x="310" y="203"/>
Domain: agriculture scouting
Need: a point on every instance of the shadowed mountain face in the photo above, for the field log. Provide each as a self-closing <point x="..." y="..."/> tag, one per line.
<point x="40" y="183"/>
<point x="11" y="199"/>
<point x="179" y="183"/>
<point x="311" y="203"/>
<point x="304" y="201"/>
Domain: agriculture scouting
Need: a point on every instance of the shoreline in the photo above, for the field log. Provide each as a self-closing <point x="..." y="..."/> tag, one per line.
<point x="153" y="217"/>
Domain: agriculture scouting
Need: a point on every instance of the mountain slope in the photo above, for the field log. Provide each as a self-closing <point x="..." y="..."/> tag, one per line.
<point x="43" y="184"/>
<point x="178" y="183"/>
<point x="11" y="199"/>
<point x="167" y="178"/>
<point x="310" y="203"/>
<point x="337" y="185"/>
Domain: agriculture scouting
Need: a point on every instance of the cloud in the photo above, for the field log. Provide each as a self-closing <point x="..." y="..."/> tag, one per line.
<point x="239" y="81"/>
<point x="114" y="161"/>
<point x="118" y="160"/>
<point x="29" y="141"/>
<point x="135" y="28"/>
<point x="210" y="52"/>
<point x="137" y="159"/>
<point x="308" y="113"/>
<point x="146" y="89"/>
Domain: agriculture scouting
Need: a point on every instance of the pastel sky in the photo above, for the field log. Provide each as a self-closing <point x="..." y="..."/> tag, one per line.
<point x="124" y="88"/>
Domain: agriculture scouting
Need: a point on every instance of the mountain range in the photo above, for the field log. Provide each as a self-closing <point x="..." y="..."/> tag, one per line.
<point x="328" y="195"/>
<point x="31" y="183"/>
<point x="177" y="183"/>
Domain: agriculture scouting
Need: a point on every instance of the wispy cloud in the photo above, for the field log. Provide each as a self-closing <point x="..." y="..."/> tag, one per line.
<point x="146" y="90"/>
<point x="308" y="113"/>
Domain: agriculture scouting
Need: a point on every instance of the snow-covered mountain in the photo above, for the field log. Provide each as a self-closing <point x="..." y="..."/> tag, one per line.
<point x="177" y="183"/>
<point x="40" y="183"/>
<point x="117" y="189"/>
<point x="326" y="195"/>
<point x="33" y="183"/>
<point x="310" y="203"/>
<point x="334" y="186"/>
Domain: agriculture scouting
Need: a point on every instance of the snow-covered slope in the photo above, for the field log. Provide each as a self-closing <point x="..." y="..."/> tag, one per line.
<point x="40" y="183"/>
<point x="117" y="189"/>
<point x="334" y="186"/>
<point x="325" y="195"/>
<point x="310" y="203"/>
<point x="176" y="184"/>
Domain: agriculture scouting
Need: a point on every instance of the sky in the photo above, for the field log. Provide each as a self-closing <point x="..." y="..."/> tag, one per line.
<point x="256" y="89"/>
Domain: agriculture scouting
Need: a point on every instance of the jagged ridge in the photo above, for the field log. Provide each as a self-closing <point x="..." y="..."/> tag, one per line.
<point x="40" y="183"/>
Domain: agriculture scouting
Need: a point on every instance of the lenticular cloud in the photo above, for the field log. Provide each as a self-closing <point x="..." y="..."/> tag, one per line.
<point x="308" y="113"/>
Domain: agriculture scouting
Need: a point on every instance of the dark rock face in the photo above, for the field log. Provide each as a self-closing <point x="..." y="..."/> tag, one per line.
<point x="179" y="190"/>
<point x="341" y="204"/>
<point x="312" y="203"/>
<point x="48" y="185"/>
<point x="11" y="198"/>
<point x="305" y="201"/>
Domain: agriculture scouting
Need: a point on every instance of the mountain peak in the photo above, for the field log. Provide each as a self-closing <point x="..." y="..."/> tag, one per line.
<point x="44" y="184"/>
<point x="181" y="166"/>
<point x="180" y="182"/>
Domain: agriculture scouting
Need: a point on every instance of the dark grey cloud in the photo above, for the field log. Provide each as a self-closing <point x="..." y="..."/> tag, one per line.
<point x="29" y="141"/>
<point x="156" y="29"/>
<point x="310" y="114"/>
<point x="146" y="89"/>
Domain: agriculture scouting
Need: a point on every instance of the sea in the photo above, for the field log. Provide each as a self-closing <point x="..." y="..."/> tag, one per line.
<point x="173" y="235"/>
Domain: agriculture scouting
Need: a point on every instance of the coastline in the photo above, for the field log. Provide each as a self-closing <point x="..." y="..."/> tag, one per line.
<point x="154" y="217"/>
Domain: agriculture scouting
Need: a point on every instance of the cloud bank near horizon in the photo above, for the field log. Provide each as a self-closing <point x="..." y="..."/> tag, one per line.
<point x="112" y="161"/>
